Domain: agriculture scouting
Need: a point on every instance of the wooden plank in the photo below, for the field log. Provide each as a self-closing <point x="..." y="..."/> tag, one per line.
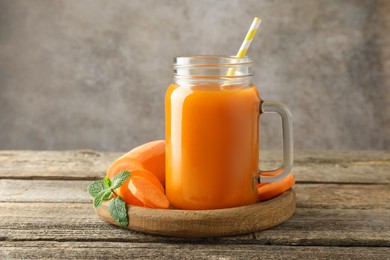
<point x="70" y="165"/>
<point x="78" y="222"/>
<point x="331" y="196"/>
<point x="59" y="191"/>
<point x="332" y="156"/>
<point x="347" y="172"/>
<point x="343" y="196"/>
<point x="104" y="250"/>
<point x="310" y="166"/>
<point x="335" y="166"/>
<point x="331" y="227"/>
<point x="69" y="222"/>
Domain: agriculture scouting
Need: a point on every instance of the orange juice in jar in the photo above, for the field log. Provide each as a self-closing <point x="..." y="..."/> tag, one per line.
<point x="212" y="136"/>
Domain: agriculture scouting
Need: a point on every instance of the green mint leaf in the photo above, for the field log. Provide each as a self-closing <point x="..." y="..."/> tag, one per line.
<point x="107" y="181"/>
<point x="117" y="208"/>
<point x="119" y="179"/>
<point x="103" y="195"/>
<point x="95" y="187"/>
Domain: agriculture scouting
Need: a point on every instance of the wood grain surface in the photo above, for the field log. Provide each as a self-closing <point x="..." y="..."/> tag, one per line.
<point x="310" y="167"/>
<point x="126" y="250"/>
<point x="343" y="209"/>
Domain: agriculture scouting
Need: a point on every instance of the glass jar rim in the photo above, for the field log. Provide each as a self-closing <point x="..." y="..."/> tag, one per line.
<point x="210" y="61"/>
<point x="216" y="69"/>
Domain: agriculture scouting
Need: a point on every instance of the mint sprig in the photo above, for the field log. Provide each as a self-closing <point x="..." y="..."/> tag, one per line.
<point x="104" y="190"/>
<point x="103" y="195"/>
<point x="107" y="181"/>
<point x="95" y="187"/>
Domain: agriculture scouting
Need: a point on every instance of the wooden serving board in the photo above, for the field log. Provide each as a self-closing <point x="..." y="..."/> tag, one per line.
<point x="208" y="223"/>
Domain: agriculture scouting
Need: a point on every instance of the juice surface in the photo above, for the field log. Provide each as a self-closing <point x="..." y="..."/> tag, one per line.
<point x="212" y="146"/>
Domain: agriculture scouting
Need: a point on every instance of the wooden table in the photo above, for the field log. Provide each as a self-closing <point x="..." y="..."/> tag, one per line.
<point x="343" y="211"/>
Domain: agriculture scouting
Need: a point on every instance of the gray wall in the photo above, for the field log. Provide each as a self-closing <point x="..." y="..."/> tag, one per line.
<point x="92" y="74"/>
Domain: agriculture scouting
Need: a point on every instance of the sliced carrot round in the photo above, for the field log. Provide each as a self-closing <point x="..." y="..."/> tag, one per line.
<point x="148" y="193"/>
<point x="124" y="192"/>
<point x="149" y="176"/>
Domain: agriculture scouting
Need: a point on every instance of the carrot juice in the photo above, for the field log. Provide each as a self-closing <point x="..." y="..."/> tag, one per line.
<point x="211" y="145"/>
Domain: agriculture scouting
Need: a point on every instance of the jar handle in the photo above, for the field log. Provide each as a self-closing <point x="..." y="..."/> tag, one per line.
<point x="287" y="127"/>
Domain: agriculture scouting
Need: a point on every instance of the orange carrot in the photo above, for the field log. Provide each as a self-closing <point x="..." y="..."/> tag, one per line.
<point x="262" y="184"/>
<point x="268" y="174"/>
<point x="148" y="193"/>
<point x="116" y="167"/>
<point x="152" y="157"/>
<point x="272" y="173"/>
<point x="124" y="192"/>
<point x="273" y="189"/>
<point x="121" y="164"/>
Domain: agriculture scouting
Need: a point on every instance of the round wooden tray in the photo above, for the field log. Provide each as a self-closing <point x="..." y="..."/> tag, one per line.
<point x="208" y="223"/>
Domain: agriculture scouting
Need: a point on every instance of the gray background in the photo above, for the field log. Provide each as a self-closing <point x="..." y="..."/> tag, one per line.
<point x="92" y="74"/>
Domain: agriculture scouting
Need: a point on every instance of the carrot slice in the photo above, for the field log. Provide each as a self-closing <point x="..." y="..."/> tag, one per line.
<point x="273" y="189"/>
<point x="152" y="157"/>
<point x="128" y="164"/>
<point x="149" y="176"/>
<point x="124" y="192"/>
<point x="148" y="193"/>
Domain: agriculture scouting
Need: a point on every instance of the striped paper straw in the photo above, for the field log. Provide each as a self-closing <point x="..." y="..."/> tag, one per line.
<point x="247" y="42"/>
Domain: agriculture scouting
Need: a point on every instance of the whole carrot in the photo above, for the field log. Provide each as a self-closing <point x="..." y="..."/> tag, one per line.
<point x="152" y="157"/>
